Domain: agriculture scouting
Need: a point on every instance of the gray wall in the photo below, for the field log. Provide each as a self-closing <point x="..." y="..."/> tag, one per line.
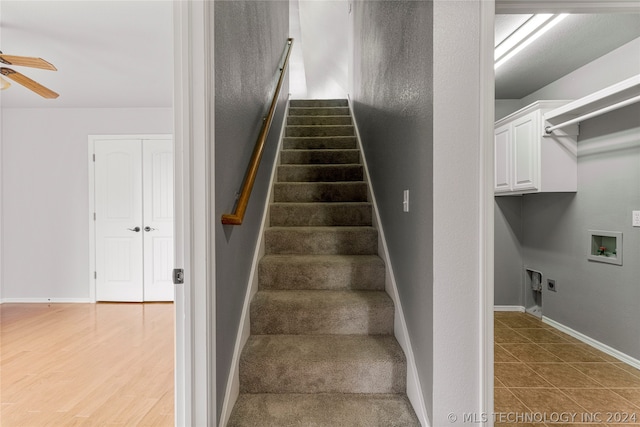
<point x="508" y="266"/>
<point x="393" y="108"/>
<point x="598" y="300"/>
<point x="250" y="38"/>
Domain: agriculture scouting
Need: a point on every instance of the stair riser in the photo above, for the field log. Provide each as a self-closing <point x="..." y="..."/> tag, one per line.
<point x="313" y="131"/>
<point x="320" y="192"/>
<point x="318" y="103"/>
<point x="313" y="313"/>
<point x="332" y="214"/>
<point x="302" y="241"/>
<point x="324" y="173"/>
<point x="319" y="156"/>
<point x="322" y="377"/>
<point x="309" y="143"/>
<point x="319" y="111"/>
<point x="321" y="275"/>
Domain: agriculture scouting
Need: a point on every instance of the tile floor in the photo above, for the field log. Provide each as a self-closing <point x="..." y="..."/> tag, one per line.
<point x="546" y="378"/>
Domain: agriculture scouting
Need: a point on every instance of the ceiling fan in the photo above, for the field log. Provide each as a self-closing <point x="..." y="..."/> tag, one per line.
<point x="25" y="61"/>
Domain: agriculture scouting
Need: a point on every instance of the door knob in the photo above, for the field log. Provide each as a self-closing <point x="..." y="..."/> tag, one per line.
<point x="137" y="229"/>
<point x="147" y="228"/>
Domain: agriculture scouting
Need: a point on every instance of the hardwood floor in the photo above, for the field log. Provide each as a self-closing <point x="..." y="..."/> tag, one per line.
<point x="87" y="364"/>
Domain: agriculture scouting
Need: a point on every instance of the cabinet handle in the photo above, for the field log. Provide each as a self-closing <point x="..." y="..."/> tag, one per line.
<point x="136" y="229"/>
<point x="147" y="228"/>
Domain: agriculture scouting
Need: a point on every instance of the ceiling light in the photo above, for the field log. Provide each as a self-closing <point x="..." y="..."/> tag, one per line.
<point x="4" y="84"/>
<point x="523" y="36"/>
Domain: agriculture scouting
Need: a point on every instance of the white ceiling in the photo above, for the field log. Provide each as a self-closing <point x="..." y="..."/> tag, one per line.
<point x="119" y="53"/>
<point x="108" y="53"/>
<point x="574" y="42"/>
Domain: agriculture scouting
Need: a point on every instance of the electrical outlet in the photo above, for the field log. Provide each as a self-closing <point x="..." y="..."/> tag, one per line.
<point x="636" y="218"/>
<point x="551" y="285"/>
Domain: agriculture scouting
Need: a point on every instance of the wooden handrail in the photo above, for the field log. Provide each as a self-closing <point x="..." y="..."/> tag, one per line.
<point x="238" y="214"/>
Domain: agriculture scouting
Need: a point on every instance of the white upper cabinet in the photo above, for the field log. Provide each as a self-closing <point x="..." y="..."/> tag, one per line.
<point x="527" y="160"/>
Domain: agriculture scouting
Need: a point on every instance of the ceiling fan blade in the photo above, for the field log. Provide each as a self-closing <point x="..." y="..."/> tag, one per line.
<point x="28" y="83"/>
<point x="26" y="61"/>
<point x="4" y="84"/>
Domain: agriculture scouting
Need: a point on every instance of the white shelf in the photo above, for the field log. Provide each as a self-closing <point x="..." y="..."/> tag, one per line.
<point x="606" y="97"/>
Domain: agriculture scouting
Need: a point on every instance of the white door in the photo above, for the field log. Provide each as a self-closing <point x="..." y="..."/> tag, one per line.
<point x="118" y="204"/>
<point x="157" y="167"/>
<point x="134" y="219"/>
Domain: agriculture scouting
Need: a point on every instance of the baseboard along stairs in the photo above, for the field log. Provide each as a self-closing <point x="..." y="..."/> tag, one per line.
<point x="321" y="350"/>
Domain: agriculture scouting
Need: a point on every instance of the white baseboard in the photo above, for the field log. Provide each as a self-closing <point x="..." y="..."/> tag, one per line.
<point x="517" y="308"/>
<point x="244" y="329"/>
<point x="593" y="343"/>
<point x="46" y="301"/>
<point x="414" y="390"/>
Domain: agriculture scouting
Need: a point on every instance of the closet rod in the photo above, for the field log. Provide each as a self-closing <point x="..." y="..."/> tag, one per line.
<point x="621" y="104"/>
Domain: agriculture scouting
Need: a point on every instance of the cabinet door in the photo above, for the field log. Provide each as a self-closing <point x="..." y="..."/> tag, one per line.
<point x="525" y="147"/>
<point x="502" y="152"/>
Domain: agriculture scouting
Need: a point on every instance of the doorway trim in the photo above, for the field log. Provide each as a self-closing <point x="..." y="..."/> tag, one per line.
<point x="486" y="217"/>
<point x="195" y="374"/>
<point x="92" y="202"/>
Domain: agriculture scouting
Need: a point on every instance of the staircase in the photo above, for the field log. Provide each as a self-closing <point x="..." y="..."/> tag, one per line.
<point x="321" y="350"/>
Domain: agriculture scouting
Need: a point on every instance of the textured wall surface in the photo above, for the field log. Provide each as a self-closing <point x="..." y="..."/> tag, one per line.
<point x="393" y="108"/>
<point x="250" y="38"/>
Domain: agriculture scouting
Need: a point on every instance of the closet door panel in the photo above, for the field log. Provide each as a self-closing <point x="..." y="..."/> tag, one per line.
<point x="158" y="219"/>
<point x="119" y="242"/>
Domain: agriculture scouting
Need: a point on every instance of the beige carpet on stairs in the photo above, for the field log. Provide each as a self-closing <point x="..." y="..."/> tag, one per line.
<point x="321" y="350"/>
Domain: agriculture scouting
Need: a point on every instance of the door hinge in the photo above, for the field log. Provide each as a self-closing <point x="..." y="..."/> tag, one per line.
<point x="95" y="274"/>
<point x="178" y="276"/>
<point x="94" y="157"/>
<point x="94" y="216"/>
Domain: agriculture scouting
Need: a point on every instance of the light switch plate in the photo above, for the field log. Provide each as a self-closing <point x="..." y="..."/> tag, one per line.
<point x="636" y="218"/>
<point x="405" y="202"/>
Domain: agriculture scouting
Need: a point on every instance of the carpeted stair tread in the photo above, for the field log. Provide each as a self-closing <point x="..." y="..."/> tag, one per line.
<point x="357" y="272"/>
<point x="319" y="111"/>
<point x="318" y="120"/>
<point x="305" y="142"/>
<point x="322" y="364"/>
<point x="296" y="410"/>
<point x="321" y="312"/>
<point x="321" y="240"/>
<point x="318" y="103"/>
<point x="316" y="214"/>
<point x="320" y="173"/>
<point x="323" y="130"/>
<point x="320" y="156"/>
<point x="302" y="192"/>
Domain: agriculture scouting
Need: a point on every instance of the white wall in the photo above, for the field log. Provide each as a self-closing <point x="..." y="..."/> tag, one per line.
<point x="461" y="277"/>
<point x="45" y="195"/>
<point x="321" y="32"/>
